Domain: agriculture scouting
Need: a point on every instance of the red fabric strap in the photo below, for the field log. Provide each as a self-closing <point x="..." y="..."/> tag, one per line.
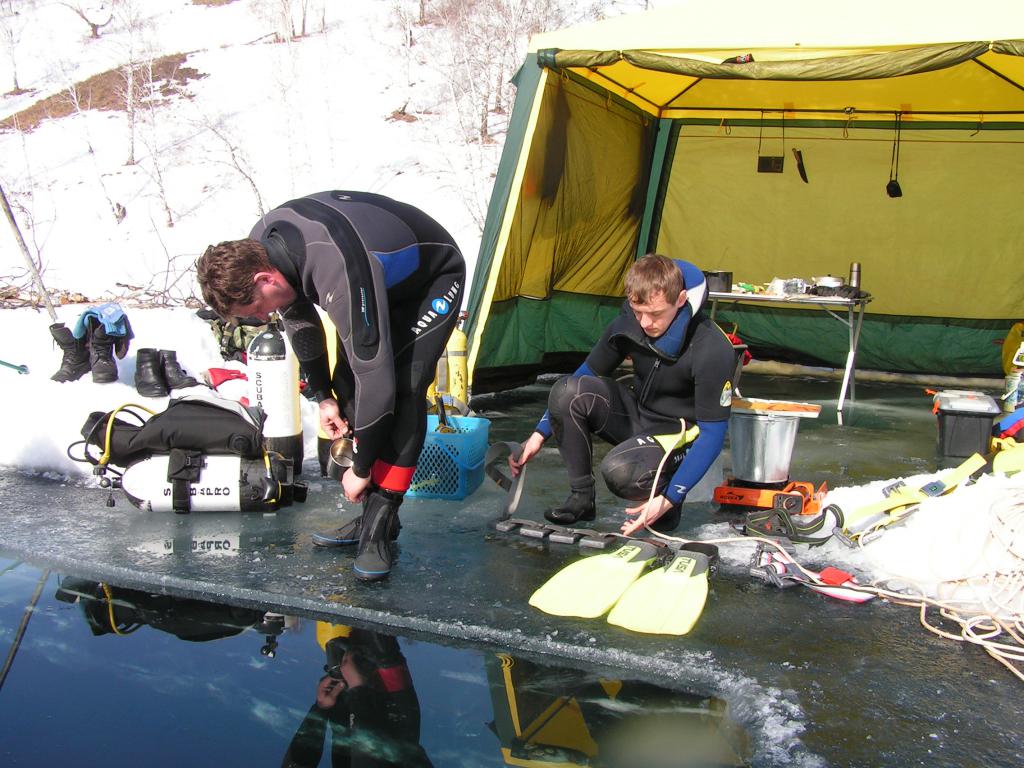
<point x="834" y="577"/>
<point x="395" y="678"/>
<point x="392" y="478"/>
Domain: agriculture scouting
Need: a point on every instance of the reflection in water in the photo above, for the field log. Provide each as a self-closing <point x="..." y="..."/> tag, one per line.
<point x="366" y="712"/>
<point x="366" y="707"/>
<point x="547" y="716"/>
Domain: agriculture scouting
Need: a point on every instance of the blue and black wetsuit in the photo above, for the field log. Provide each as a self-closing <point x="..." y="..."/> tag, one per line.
<point x="684" y="374"/>
<point x="391" y="279"/>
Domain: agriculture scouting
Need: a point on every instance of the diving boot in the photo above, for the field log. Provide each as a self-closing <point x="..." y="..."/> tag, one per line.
<point x="75" y="363"/>
<point x="149" y="374"/>
<point x="348" y="532"/>
<point x="580" y="505"/>
<point x="174" y="374"/>
<point x="376" y="538"/>
<point x="101" y="355"/>
<point x="669" y="521"/>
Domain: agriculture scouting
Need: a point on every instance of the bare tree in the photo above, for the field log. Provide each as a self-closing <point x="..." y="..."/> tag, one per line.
<point x="14" y="18"/>
<point x="75" y="99"/>
<point x="488" y="40"/>
<point x="91" y="13"/>
<point x="136" y="59"/>
<point x="285" y="16"/>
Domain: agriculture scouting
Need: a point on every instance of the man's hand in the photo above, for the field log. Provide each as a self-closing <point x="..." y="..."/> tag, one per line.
<point x="328" y="690"/>
<point x="530" y="448"/>
<point x="354" y="486"/>
<point x="331" y="420"/>
<point x="645" y="514"/>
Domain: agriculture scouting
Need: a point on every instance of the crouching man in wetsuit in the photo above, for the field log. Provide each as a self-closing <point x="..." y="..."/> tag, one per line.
<point x="391" y="279"/>
<point x="677" y="402"/>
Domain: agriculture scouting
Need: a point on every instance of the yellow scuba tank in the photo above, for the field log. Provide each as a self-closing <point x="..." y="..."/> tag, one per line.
<point x="451" y="381"/>
<point x="323" y="442"/>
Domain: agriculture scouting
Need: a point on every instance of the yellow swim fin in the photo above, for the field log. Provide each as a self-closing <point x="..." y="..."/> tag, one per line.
<point x="587" y="588"/>
<point x="667" y="601"/>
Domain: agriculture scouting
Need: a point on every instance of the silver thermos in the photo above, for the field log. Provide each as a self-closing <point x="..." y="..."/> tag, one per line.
<point x="855" y="274"/>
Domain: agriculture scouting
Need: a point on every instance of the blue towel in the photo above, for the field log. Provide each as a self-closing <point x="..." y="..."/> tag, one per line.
<point x="110" y="315"/>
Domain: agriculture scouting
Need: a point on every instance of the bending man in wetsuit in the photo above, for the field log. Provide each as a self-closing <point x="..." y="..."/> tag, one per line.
<point x="391" y="279"/>
<point x="677" y="402"/>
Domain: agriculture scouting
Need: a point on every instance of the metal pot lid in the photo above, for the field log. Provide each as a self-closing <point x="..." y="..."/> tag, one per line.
<point x="828" y="281"/>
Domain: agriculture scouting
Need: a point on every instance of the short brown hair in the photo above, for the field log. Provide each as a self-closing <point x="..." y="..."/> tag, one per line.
<point x="225" y="272"/>
<point x="653" y="274"/>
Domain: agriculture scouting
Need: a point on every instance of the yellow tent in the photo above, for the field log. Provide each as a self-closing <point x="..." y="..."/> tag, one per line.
<point x="647" y="133"/>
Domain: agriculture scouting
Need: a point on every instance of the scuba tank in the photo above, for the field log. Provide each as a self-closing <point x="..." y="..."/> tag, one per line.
<point x="274" y="388"/>
<point x="451" y="382"/>
<point x="224" y="484"/>
<point x="201" y="453"/>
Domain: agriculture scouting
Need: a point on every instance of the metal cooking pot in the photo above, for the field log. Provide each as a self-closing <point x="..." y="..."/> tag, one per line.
<point x="718" y="281"/>
<point x="828" y="281"/>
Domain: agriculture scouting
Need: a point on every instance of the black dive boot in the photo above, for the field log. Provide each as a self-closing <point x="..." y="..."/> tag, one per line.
<point x="351" y="526"/>
<point x="101" y="355"/>
<point x="174" y="375"/>
<point x="149" y="374"/>
<point x="376" y="538"/>
<point x="75" y="363"/>
<point x="580" y="505"/>
<point x="669" y="521"/>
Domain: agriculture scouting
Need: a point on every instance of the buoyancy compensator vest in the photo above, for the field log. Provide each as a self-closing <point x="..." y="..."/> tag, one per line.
<point x="201" y="453"/>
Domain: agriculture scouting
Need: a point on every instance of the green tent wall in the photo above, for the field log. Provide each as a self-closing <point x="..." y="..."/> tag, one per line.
<point x="639" y="138"/>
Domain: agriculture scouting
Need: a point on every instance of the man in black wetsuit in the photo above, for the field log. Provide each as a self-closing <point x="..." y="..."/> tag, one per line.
<point x="669" y="421"/>
<point x="391" y="280"/>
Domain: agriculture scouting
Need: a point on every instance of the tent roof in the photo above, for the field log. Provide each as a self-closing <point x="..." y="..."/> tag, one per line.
<point x="936" y="60"/>
<point x="738" y="26"/>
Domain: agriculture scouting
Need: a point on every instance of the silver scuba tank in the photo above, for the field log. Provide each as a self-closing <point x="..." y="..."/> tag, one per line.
<point x="273" y="371"/>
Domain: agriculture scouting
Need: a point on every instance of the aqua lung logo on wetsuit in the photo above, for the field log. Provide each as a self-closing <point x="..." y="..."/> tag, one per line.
<point x="440" y="306"/>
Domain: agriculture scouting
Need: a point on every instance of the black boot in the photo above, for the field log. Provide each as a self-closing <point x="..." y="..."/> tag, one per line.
<point x="349" y="531"/>
<point x="669" y="521"/>
<point x="580" y="505"/>
<point x="376" y="538"/>
<point x="149" y="374"/>
<point x="174" y="375"/>
<point x="101" y="355"/>
<point x="75" y="363"/>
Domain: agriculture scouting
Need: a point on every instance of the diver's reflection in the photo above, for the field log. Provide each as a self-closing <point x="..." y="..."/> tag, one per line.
<point x="366" y="708"/>
<point x="555" y="716"/>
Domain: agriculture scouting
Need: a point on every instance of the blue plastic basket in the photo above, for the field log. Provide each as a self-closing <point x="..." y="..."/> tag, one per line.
<point x="451" y="464"/>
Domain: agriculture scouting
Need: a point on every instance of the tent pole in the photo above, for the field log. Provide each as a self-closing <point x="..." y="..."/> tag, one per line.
<point x="664" y="130"/>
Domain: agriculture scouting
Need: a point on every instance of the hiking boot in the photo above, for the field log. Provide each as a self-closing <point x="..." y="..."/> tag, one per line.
<point x="379" y="529"/>
<point x="149" y="373"/>
<point x="75" y="363"/>
<point x="579" y="506"/>
<point x="101" y="355"/>
<point x="174" y="375"/>
<point x="348" y="532"/>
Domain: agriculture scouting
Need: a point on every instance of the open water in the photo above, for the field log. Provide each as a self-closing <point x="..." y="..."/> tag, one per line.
<point x="130" y="641"/>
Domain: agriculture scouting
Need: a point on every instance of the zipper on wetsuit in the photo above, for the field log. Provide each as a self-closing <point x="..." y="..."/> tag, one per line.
<point x="642" y="400"/>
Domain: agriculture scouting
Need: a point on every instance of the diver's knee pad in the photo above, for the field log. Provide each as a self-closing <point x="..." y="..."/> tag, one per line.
<point x="624" y="472"/>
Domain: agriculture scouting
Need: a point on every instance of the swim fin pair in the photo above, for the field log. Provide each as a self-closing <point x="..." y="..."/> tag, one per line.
<point x="665" y="601"/>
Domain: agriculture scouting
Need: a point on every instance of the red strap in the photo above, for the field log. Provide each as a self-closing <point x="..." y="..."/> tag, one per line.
<point x="395" y="678"/>
<point x="835" y="577"/>
<point x="392" y="478"/>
